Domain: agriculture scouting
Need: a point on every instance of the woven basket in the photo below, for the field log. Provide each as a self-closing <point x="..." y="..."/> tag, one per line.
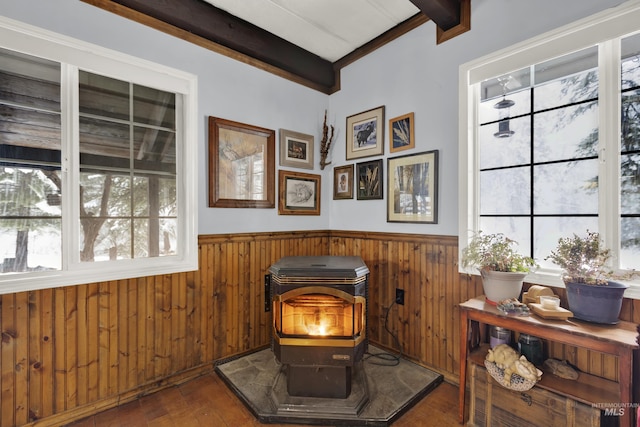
<point x="517" y="382"/>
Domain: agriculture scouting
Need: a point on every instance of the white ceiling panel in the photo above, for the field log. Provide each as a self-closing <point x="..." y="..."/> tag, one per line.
<point x="329" y="28"/>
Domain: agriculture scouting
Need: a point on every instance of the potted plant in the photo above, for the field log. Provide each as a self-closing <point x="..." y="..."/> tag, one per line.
<point x="592" y="294"/>
<point x="501" y="267"/>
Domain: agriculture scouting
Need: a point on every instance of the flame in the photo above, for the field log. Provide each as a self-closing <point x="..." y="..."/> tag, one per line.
<point x="318" y="329"/>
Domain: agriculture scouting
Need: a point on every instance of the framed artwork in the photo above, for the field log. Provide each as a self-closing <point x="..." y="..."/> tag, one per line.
<point x="401" y="136"/>
<point x="241" y="165"/>
<point x="296" y="149"/>
<point x="412" y="193"/>
<point x="369" y="178"/>
<point x="343" y="182"/>
<point x="299" y="193"/>
<point x="365" y="134"/>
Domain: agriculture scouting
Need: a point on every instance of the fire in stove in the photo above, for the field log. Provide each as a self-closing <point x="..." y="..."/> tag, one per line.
<point x="319" y="307"/>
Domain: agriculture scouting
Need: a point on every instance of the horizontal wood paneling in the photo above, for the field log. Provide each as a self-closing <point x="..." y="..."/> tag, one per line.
<point x="68" y="352"/>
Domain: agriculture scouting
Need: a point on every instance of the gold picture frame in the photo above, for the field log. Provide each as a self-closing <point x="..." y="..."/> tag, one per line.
<point x="365" y="134"/>
<point x="401" y="133"/>
<point x="299" y="193"/>
<point x="241" y="165"/>
<point x="296" y="149"/>
<point x="343" y="182"/>
<point x="412" y="193"/>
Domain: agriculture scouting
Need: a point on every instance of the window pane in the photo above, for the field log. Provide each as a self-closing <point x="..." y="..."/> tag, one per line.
<point x="630" y="155"/>
<point x="104" y="96"/>
<point x="630" y="126"/>
<point x="30" y="180"/>
<point x="516" y="228"/>
<point x="630" y="184"/>
<point x="630" y="242"/>
<point x="566" y="188"/>
<point x="154" y="150"/>
<point x="490" y="111"/>
<point x="128" y="154"/>
<point x="566" y="133"/>
<point x="499" y="152"/>
<point x="30" y="245"/>
<point x="630" y="62"/>
<point x="559" y="69"/>
<point x="548" y="230"/>
<point x="154" y="107"/>
<point x="498" y="194"/>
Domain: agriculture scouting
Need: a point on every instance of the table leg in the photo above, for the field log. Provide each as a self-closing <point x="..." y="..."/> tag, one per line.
<point x="464" y="342"/>
<point x="625" y="362"/>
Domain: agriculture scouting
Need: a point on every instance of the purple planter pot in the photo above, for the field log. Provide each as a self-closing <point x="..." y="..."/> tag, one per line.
<point x="597" y="304"/>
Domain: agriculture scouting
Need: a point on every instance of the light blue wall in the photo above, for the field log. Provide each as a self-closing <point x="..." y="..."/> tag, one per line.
<point x="227" y="88"/>
<point x="413" y="74"/>
<point x="410" y="74"/>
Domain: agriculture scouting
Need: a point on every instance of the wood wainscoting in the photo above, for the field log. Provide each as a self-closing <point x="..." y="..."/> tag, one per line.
<point x="69" y="352"/>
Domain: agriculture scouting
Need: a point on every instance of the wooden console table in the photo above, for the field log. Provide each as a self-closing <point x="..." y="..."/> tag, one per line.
<point x="619" y="340"/>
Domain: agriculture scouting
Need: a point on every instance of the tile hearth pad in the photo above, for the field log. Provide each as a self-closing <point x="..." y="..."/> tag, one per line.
<point x="381" y="393"/>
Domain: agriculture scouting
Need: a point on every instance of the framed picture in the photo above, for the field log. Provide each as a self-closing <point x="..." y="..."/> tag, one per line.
<point x="343" y="182"/>
<point x="401" y="133"/>
<point x="241" y="165"/>
<point x="369" y="178"/>
<point x="296" y="149"/>
<point x="299" y="193"/>
<point x="413" y="188"/>
<point x="365" y="134"/>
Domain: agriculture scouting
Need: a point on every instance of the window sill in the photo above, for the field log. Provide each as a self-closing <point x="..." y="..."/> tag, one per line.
<point x="553" y="280"/>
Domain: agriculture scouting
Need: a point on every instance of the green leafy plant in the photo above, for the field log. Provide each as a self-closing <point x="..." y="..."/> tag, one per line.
<point x="495" y="252"/>
<point x="585" y="260"/>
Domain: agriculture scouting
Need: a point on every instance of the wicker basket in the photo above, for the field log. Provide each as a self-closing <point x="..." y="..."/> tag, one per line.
<point x="517" y="382"/>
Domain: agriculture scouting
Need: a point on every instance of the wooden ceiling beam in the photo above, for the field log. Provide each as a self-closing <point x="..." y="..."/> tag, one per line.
<point x="445" y="13"/>
<point x="204" y="20"/>
<point x="201" y="23"/>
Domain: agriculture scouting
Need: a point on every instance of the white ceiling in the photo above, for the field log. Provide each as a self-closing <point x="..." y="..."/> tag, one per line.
<point x="329" y="28"/>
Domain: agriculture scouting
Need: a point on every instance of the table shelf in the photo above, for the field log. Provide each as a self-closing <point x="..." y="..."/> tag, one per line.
<point x="619" y="340"/>
<point x="588" y="389"/>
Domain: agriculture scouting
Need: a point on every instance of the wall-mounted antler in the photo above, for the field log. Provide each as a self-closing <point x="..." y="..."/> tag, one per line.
<point x="325" y="144"/>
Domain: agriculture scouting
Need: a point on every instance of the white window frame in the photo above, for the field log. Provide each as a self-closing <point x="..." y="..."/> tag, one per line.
<point x="603" y="30"/>
<point x="75" y="54"/>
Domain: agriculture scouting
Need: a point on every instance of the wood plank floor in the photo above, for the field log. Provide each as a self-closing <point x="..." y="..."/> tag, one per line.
<point x="207" y="401"/>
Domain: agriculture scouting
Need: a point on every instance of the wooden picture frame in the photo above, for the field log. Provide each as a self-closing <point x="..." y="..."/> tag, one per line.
<point x="405" y="173"/>
<point x="401" y="133"/>
<point x="365" y="134"/>
<point x="299" y="193"/>
<point x="343" y="182"/>
<point x="241" y="165"/>
<point x="369" y="176"/>
<point x="296" y="149"/>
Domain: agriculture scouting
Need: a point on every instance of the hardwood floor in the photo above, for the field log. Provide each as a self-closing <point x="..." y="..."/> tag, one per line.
<point x="207" y="401"/>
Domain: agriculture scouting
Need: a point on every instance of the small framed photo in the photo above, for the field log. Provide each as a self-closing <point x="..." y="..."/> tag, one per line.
<point x="365" y="134"/>
<point x="343" y="182"/>
<point x="235" y="147"/>
<point x="412" y="194"/>
<point x="299" y="193"/>
<point x="369" y="178"/>
<point x="401" y="135"/>
<point x="296" y="149"/>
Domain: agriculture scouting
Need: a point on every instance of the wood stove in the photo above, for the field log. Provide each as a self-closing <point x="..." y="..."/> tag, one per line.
<point x="319" y="306"/>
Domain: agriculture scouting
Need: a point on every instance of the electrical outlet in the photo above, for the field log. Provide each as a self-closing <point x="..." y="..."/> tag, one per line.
<point x="399" y="296"/>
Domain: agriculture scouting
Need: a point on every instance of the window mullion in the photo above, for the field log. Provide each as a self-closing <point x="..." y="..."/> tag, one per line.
<point x="70" y="166"/>
<point x="609" y="107"/>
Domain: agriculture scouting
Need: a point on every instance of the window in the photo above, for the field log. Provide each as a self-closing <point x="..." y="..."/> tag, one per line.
<point x="93" y="178"/>
<point x="553" y="142"/>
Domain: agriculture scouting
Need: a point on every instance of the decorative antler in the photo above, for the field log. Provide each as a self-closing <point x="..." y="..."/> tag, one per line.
<point x="325" y="144"/>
